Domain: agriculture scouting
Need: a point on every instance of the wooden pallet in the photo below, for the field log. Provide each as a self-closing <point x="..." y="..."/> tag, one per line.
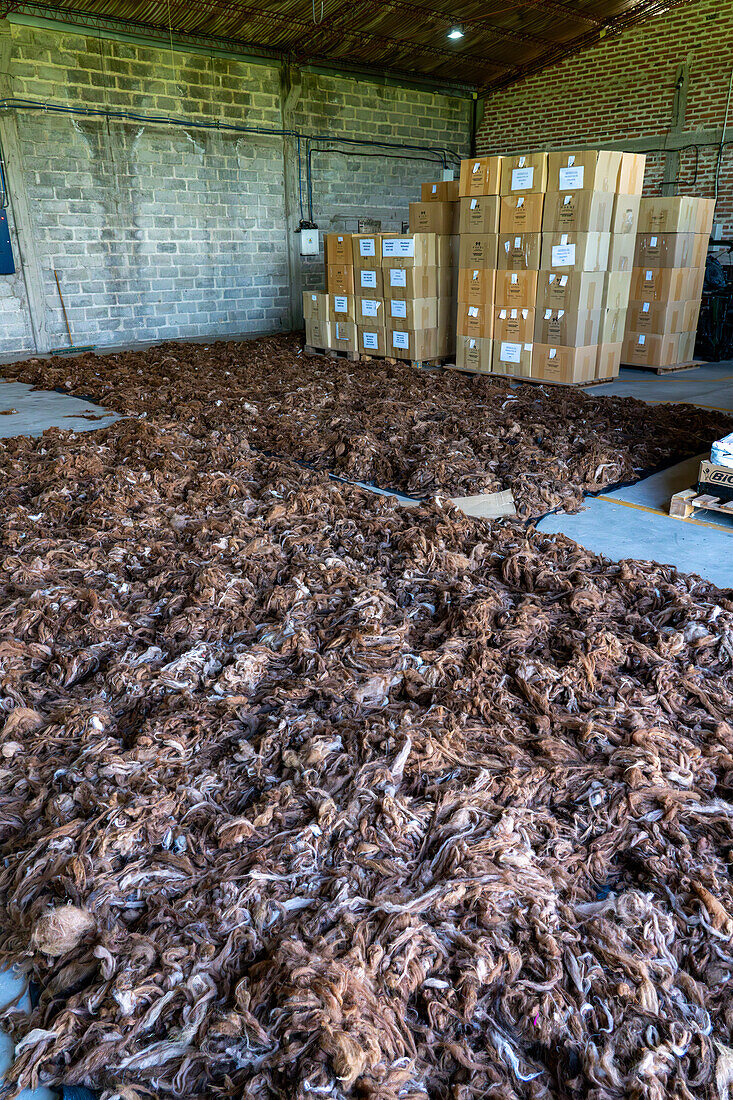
<point x="686" y="503"/>
<point x="692" y="364"/>
<point x="530" y="381"/>
<point x="333" y="353"/>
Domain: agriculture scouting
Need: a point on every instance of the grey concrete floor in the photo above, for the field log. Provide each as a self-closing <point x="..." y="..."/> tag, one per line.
<point x="38" y="410"/>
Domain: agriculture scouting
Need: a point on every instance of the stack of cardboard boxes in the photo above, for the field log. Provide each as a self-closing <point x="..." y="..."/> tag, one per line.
<point x="418" y="271"/>
<point x="478" y="227"/>
<point x="667" y="280"/>
<point x="588" y="238"/>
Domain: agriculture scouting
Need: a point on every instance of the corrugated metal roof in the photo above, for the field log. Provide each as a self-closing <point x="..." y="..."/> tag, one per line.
<point x="503" y="39"/>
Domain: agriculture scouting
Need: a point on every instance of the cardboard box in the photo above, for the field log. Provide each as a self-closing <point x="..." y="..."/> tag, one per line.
<point x="654" y="284"/>
<point x="613" y="326"/>
<point x="478" y="250"/>
<point x="567" y="252"/>
<point x="608" y="360"/>
<point x="569" y="328"/>
<point x="665" y="250"/>
<point x="369" y="311"/>
<point x="631" y="175"/>
<point x="523" y="174"/>
<point x="434" y="217"/>
<point x="691" y="315"/>
<point x="686" y="346"/>
<point x="511" y="359"/>
<point x="578" y="212"/>
<point x="519" y="251"/>
<point x="338" y="251"/>
<point x="658" y="317"/>
<point x="315" y="306"/>
<point x="521" y="213"/>
<point x="555" y="363"/>
<point x="617" y="289"/>
<point x="414" y="313"/>
<point x="369" y="282"/>
<point x="715" y="480"/>
<point x="706" y="212"/>
<point x="340" y="279"/>
<point x="625" y="216"/>
<point x="473" y="353"/>
<point x="372" y="339"/>
<point x="574" y="292"/>
<point x="514" y="324"/>
<point x="476" y="286"/>
<point x="621" y="252"/>
<point x="516" y="289"/>
<point x="318" y="334"/>
<point x="650" y="350"/>
<point x="479" y="214"/>
<point x="419" y="282"/>
<point x="695" y="282"/>
<point x="344" y="336"/>
<point x="477" y="321"/>
<point x="419" y="250"/>
<point x="366" y="250"/>
<point x="584" y="170"/>
<point x="419" y="344"/>
<point x="676" y="214"/>
<point x="440" y="191"/>
<point x="479" y="176"/>
<point x="342" y="307"/>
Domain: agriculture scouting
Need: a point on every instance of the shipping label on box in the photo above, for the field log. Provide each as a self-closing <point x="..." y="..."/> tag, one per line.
<point x="575" y="251"/>
<point x="342" y="307"/>
<point x="477" y="321"/>
<point x="514" y="325"/>
<point x="516" y="289"/>
<point x="566" y="365"/>
<point x="344" y="335"/>
<point x="519" y="251"/>
<point x="512" y="359"/>
<point x="568" y="328"/>
<point x="338" y="249"/>
<point x="367" y="309"/>
<point x="480" y="176"/>
<point x="369" y="282"/>
<point x="419" y="282"/>
<point x="478" y="250"/>
<point x="315" y="305"/>
<point x="414" y="313"/>
<point x="476" y="286"/>
<point x="521" y="214"/>
<point x="416" y="344"/>
<point x="584" y="169"/>
<point x="372" y="340"/>
<point x="578" y="212"/>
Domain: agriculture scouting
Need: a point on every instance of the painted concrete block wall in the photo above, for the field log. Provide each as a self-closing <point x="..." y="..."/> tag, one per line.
<point x="624" y="90"/>
<point x="164" y="232"/>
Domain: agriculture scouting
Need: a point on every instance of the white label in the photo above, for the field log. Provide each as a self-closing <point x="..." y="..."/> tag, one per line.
<point x="502" y="314"/>
<point x="527" y="347"/>
<point x="564" y="239"/>
<point x="563" y="280"/>
<point x="314" y="297"/>
<point x="507" y="246"/>
<point x="510" y="353"/>
<point x="474" y="277"/>
<point x="397" y="277"/>
<point x="563" y="255"/>
<point x="548" y="314"/>
<point x="400" y="340"/>
<point x="514" y="280"/>
<point x="553" y="353"/>
<point x="641" y="340"/>
<point x="340" y="304"/>
<point x="370" y="307"/>
<point x="369" y="279"/>
<point x="399" y="308"/>
<point x="522" y="178"/>
<point x="474" y="203"/>
<point x="473" y="311"/>
<point x="522" y="162"/>
<point x="340" y="240"/>
<point x="652" y="242"/>
<point x="648" y="276"/>
<point x="645" y="307"/>
<point x="367" y="247"/>
<point x="370" y="340"/>
<point x="477" y="167"/>
<point x="399" y="246"/>
<point x="472" y="344"/>
<point x="567" y="200"/>
<point x="560" y="313"/>
<point x="551" y="280"/>
<point x="520" y="203"/>
<point x="339" y="334"/>
<point x="517" y="242"/>
<point x="571" y="160"/>
<point x="514" y="314"/>
<point x="435" y="189"/>
<point x="571" y="178"/>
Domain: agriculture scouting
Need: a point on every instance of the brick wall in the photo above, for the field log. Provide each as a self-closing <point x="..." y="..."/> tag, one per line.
<point x="623" y="90"/>
<point x="164" y="232"/>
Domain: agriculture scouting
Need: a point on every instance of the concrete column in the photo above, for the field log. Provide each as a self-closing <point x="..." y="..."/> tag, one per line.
<point x="290" y="88"/>
<point x="29" y="257"/>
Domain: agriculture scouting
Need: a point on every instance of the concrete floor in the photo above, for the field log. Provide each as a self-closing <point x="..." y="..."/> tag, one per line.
<point x="36" y="411"/>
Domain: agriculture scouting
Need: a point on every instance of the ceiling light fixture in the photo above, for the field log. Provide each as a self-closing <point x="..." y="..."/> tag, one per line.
<point x="455" y="32"/>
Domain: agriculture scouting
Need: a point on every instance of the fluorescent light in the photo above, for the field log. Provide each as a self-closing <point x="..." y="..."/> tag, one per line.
<point x="455" y="32"/>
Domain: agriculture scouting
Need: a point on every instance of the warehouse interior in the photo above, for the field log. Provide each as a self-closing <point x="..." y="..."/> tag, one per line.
<point x="366" y="497"/>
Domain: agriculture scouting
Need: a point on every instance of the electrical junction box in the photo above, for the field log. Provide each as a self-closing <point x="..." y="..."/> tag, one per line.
<point x="7" y="264"/>
<point x="310" y="242"/>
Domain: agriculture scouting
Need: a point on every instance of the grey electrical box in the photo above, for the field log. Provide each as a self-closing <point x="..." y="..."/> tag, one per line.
<point x="7" y="263"/>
